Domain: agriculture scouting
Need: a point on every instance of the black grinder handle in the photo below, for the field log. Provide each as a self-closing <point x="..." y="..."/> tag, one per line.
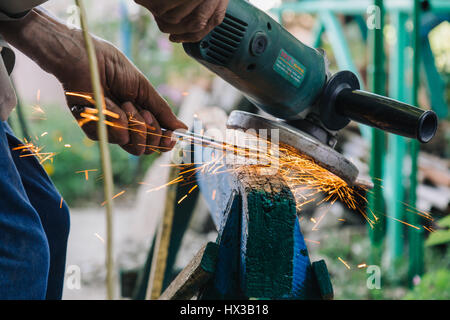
<point x="386" y="114"/>
<point x="342" y="101"/>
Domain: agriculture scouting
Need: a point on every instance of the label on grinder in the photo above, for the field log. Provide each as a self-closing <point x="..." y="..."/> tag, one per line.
<point x="289" y="68"/>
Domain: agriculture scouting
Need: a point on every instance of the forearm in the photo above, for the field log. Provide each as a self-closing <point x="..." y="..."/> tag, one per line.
<point x="50" y="43"/>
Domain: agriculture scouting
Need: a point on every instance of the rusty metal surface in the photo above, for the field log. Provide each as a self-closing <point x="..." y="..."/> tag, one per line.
<point x="325" y="156"/>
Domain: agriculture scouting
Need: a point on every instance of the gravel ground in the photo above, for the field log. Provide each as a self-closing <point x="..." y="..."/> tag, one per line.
<point x="86" y="251"/>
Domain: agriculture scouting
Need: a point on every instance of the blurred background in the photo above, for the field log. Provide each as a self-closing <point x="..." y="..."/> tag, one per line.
<point x="43" y="117"/>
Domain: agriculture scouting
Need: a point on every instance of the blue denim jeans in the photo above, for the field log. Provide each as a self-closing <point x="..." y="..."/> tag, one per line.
<point x="34" y="226"/>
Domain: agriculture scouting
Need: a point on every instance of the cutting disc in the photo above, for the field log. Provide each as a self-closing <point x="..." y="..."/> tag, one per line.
<point x="304" y="143"/>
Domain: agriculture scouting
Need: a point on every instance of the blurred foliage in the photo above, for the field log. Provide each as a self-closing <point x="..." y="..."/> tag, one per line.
<point x="435" y="283"/>
<point x="433" y="286"/>
<point x="441" y="49"/>
<point x="440" y="237"/>
<point x="352" y="245"/>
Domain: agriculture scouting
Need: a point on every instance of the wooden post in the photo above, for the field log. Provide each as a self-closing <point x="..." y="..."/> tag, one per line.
<point x="199" y="270"/>
<point x="162" y="242"/>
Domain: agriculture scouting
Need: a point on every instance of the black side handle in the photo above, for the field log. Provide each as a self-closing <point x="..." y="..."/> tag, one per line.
<point x="386" y="114"/>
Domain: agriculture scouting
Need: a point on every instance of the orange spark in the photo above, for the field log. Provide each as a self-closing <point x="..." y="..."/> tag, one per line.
<point x="29" y="150"/>
<point x="88" y="97"/>
<point x="345" y="263"/>
<point x="174" y="181"/>
<point x="117" y="195"/>
<point x="405" y="223"/>
<point x="86" y="172"/>
<point x="105" y="112"/>
<point x="308" y="181"/>
<point x="313" y="241"/>
<point x="98" y="236"/>
<point x="193" y="188"/>
<point x="184" y="197"/>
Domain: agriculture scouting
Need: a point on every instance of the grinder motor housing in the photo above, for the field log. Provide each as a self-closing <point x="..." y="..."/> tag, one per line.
<point x="289" y="80"/>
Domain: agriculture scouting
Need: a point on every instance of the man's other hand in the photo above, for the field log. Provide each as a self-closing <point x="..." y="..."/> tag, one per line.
<point x="186" y="20"/>
<point x="136" y="112"/>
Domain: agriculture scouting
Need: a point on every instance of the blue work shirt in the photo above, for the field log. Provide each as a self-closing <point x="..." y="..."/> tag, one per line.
<point x="34" y="225"/>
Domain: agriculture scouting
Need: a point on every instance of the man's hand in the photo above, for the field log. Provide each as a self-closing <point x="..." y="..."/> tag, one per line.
<point x="136" y="112"/>
<point x="186" y="20"/>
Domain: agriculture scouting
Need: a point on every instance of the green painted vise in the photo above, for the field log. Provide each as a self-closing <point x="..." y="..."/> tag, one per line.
<point x="261" y="250"/>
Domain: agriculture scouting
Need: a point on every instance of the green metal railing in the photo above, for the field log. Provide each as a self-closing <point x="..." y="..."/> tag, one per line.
<point x="356" y="7"/>
<point x="416" y="239"/>
<point x="387" y="166"/>
<point x="377" y="151"/>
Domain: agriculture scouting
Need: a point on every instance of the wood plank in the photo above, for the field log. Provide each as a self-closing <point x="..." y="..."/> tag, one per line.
<point x="267" y="234"/>
<point x="196" y="274"/>
<point x="159" y="260"/>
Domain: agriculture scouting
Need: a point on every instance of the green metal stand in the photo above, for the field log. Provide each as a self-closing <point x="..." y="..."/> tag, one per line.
<point x="376" y="201"/>
<point x="395" y="191"/>
<point x="389" y="167"/>
<point x="416" y="237"/>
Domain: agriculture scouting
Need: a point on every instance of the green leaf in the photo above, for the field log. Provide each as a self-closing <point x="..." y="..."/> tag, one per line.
<point x="438" y="237"/>
<point x="444" y="222"/>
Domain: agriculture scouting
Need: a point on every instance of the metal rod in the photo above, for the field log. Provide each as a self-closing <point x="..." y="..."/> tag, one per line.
<point x="210" y="142"/>
<point x="179" y="134"/>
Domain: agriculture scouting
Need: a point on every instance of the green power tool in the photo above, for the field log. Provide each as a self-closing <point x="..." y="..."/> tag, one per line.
<point x="290" y="81"/>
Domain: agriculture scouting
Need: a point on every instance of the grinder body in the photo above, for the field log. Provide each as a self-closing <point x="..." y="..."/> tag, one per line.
<point x="254" y="53"/>
<point x="289" y="80"/>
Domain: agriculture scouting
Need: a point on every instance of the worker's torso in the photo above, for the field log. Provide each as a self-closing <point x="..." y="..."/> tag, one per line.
<point x="10" y="10"/>
<point x="7" y="95"/>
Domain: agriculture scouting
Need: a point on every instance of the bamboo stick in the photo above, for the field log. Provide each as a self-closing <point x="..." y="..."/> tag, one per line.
<point x="104" y="149"/>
